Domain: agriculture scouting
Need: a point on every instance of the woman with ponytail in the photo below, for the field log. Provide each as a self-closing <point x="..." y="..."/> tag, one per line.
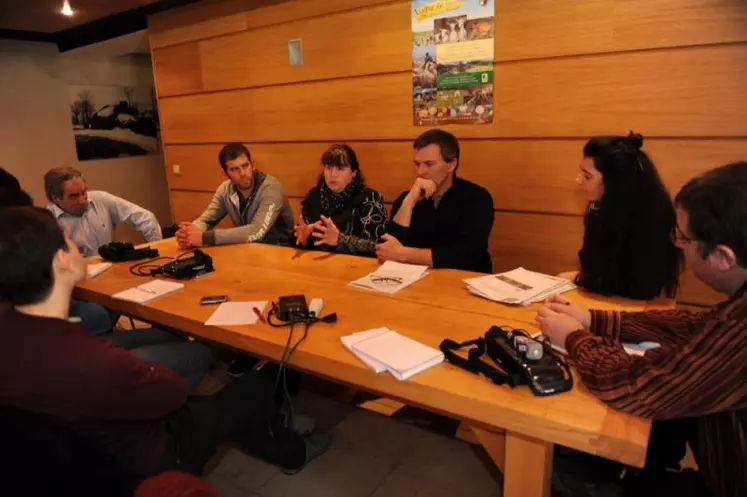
<point x="627" y="248"/>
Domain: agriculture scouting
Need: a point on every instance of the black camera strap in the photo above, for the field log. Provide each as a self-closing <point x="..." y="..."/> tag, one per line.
<point x="474" y="363"/>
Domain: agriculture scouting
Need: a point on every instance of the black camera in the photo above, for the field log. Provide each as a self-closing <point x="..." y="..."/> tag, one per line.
<point x="546" y="372"/>
<point x="181" y="269"/>
<point x="545" y="376"/>
<point x="120" y="252"/>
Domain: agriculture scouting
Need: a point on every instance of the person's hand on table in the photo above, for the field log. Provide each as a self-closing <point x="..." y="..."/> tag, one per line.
<point x="564" y="306"/>
<point x="557" y="326"/>
<point x="390" y="249"/>
<point x="189" y="236"/>
<point x="303" y="230"/>
<point x="326" y="233"/>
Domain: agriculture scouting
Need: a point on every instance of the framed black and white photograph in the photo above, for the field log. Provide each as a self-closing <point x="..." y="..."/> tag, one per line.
<point x="114" y="121"/>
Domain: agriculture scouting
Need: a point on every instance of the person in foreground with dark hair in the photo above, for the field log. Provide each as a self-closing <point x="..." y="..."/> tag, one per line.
<point x="134" y="410"/>
<point x="627" y="250"/>
<point x="442" y="221"/>
<point x="341" y="214"/>
<point x="698" y="376"/>
<point x="256" y="203"/>
<point x="10" y="197"/>
<point x="94" y="317"/>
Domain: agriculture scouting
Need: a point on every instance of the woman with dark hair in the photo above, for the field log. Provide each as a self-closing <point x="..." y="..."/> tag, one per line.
<point x="627" y="248"/>
<point x="341" y="214"/>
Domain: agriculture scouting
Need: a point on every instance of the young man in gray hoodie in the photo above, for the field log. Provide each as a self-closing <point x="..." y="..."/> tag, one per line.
<point x="256" y="203"/>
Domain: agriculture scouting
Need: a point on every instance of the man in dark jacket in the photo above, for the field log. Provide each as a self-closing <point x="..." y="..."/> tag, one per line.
<point x="442" y="221"/>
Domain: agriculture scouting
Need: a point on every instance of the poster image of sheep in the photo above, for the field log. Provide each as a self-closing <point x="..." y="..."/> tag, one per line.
<point x="114" y="121"/>
<point x="452" y="61"/>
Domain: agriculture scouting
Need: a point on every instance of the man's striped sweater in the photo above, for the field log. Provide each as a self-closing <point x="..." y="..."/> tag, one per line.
<point x="700" y="371"/>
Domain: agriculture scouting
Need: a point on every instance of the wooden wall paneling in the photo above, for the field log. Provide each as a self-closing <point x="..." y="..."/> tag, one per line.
<point x="198" y="165"/>
<point x="694" y="92"/>
<point x="524" y="29"/>
<point x="679" y="161"/>
<point x="177" y="70"/>
<point x="187" y="206"/>
<point x="541" y="242"/>
<point x="374" y="39"/>
<point x="277" y="12"/>
<point x="669" y="23"/>
<point x="544" y="28"/>
<point x="219" y="17"/>
<point x="197" y="21"/>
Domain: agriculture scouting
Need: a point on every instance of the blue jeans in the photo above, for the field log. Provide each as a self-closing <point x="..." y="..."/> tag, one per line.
<point x="95" y="318"/>
<point x="191" y="360"/>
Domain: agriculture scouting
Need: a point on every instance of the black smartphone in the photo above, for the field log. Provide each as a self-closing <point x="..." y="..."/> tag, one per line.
<point x="213" y="299"/>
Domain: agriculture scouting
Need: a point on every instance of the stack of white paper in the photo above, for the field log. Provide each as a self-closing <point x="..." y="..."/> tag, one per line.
<point x="149" y="291"/>
<point x="96" y="269"/>
<point x="391" y="277"/>
<point x="383" y="349"/>
<point x="520" y="287"/>
<point x="355" y="338"/>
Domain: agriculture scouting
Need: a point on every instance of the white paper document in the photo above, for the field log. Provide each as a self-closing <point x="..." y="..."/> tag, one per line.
<point x="519" y="287"/>
<point x="96" y="269"/>
<point x="236" y="313"/>
<point x="350" y="340"/>
<point x="149" y="291"/>
<point x="384" y="349"/>
<point x="391" y="277"/>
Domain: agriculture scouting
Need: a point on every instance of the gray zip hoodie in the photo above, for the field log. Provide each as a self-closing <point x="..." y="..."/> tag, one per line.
<point x="267" y="216"/>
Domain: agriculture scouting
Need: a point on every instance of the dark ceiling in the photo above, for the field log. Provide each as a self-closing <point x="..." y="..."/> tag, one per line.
<point x="93" y="21"/>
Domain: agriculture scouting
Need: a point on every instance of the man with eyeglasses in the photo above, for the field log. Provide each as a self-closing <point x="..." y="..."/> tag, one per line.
<point x="697" y="377"/>
<point x="255" y="201"/>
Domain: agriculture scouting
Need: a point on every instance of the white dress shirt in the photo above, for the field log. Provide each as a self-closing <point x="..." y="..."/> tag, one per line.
<point x="102" y="215"/>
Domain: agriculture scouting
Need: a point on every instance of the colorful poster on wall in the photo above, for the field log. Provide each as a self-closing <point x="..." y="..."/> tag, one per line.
<point x="452" y="61"/>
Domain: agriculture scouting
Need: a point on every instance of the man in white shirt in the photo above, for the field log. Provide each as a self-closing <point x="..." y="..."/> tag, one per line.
<point x="90" y="218"/>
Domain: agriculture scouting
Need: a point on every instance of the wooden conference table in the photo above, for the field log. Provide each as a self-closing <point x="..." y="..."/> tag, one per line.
<point x="516" y="428"/>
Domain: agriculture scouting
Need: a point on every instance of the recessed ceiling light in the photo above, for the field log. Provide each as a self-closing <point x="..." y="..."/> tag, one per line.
<point x="67" y="10"/>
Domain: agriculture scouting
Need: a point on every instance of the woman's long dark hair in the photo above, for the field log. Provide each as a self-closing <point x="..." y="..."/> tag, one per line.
<point x="341" y="155"/>
<point x="635" y="208"/>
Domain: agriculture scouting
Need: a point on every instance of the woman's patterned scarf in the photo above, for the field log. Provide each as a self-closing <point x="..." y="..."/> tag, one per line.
<point x="334" y="202"/>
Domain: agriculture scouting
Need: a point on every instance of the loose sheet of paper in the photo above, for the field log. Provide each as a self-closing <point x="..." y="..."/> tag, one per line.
<point x="391" y="277"/>
<point x="96" y="269"/>
<point x="149" y="291"/>
<point x="236" y="313"/>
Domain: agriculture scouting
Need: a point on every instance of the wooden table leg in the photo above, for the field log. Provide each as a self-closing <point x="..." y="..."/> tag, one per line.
<point x="528" y="467"/>
<point x="494" y="444"/>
